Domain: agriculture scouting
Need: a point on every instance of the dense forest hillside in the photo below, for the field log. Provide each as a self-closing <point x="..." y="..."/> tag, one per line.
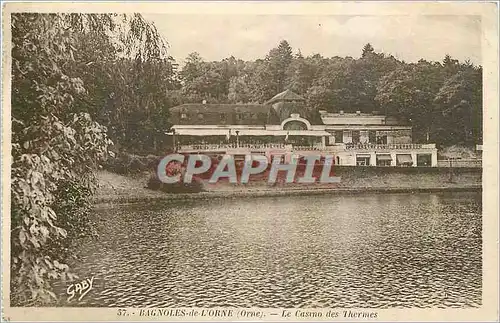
<point x="440" y="99"/>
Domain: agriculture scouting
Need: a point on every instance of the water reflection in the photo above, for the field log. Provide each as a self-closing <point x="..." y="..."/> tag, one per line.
<point x="378" y="251"/>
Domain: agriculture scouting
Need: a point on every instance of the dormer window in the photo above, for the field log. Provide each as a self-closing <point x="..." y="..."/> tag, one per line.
<point x="372" y="136"/>
<point x="356" y="136"/>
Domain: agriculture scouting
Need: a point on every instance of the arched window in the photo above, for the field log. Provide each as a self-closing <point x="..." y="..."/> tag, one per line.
<point x="295" y="125"/>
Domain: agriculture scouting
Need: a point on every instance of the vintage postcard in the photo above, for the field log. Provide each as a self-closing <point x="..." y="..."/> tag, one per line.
<point x="250" y="161"/>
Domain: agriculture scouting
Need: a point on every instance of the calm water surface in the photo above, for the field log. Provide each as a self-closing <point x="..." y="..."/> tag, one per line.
<point x="370" y="251"/>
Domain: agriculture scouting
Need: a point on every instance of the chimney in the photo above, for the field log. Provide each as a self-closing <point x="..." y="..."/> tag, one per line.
<point x="204" y="102"/>
<point x="358" y="112"/>
<point x="341" y="111"/>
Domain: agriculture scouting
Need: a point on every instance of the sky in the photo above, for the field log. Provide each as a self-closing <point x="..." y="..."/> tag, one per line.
<point x="249" y="37"/>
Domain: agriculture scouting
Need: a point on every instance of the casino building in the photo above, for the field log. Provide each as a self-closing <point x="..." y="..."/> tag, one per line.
<point x="285" y="126"/>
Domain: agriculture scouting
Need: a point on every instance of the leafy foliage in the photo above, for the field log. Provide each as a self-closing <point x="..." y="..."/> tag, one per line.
<point x="132" y="88"/>
<point x="461" y="100"/>
<point x="63" y="67"/>
<point x="444" y="104"/>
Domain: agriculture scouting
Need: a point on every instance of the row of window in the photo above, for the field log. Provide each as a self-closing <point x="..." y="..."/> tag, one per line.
<point x="356" y="137"/>
<point x="401" y="160"/>
<point x="223" y="117"/>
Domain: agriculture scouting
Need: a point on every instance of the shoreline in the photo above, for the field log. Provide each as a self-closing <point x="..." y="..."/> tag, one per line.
<point x="168" y="197"/>
<point x="119" y="189"/>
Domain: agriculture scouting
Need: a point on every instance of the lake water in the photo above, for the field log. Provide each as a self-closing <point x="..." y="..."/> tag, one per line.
<point x="369" y="251"/>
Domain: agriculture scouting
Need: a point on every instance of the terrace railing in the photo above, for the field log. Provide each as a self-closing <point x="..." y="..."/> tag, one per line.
<point x="388" y="146"/>
<point x="262" y="146"/>
<point x="204" y="147"/>
<point x="472" y="163"/>
<point x="307" y="148"/>
<point x="222" y="147"/>
<point x="250" y="146"/>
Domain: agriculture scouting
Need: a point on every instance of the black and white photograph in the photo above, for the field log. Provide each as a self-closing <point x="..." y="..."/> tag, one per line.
<point x="253" y="164"/>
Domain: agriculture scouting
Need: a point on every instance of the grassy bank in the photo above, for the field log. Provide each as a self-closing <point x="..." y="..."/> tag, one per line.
<point x="114" y="188"/>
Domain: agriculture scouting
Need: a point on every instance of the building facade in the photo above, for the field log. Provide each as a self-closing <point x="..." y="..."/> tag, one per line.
<point x="285" y="126"/>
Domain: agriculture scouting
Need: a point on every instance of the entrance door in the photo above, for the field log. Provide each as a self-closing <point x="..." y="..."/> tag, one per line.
<point x="424" y="160"/>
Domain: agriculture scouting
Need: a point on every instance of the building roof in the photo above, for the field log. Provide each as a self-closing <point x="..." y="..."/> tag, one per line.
<point x="245" y="114"/>
<point x="220" y="108"/>
<point x="209" y="114"/>
<point x="286" y="95"/>
<point x="350" y="118"/>
<point x="283" y="110"/>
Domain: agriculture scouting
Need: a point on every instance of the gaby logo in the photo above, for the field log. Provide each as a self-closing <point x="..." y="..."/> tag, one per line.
<point x="80" y="289"/>
<point x="170" y="169"/>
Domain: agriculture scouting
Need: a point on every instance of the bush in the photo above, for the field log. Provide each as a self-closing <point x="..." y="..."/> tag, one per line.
<point x="73" y="207"/>
<point x="126" y="164"/>
<point x="195" y="186"/>
<point x="48" y="194"/>
<point x="152" y="161"/>
<point x="135" y="164"/>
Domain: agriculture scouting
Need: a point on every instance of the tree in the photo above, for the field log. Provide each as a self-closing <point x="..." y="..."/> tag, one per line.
<point x="334" y="89"/>
<point x="132" y="94"/>
<point x="238" y="91"/>
<point x="320" y="98"/>
<point x="366" y="74"/>
<point x="278" y="61"/>
<point x="367" y="50"/>
<point x="241" y="86"/>
<point x="409" y="93"/>
<point x="270" y="74"/>
<point x="56" y="144"/>
<point x="302" y="72"/>
<point x="261" y="82"/>
<point x="206" y="80"/>
<point x="460" y="99"/>
<point x="450" y="66"/>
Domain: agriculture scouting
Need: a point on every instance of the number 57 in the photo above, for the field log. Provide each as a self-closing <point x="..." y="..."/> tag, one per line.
<point x="122" y="312"/>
